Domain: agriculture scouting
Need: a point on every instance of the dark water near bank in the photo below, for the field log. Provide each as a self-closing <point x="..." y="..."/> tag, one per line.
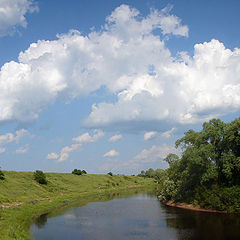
<point x="139" y="216"/>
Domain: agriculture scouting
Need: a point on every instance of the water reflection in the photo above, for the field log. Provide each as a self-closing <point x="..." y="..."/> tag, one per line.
<point x="200" y="225"/>
<point x="134" y="217"/>
<point x="42" y="220"/>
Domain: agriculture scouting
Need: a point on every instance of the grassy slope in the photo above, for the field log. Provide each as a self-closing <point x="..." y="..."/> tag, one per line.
<point x="22" y="199"/>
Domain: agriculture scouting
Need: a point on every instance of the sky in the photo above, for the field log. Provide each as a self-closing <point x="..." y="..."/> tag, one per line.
<point x="111" y="85"/>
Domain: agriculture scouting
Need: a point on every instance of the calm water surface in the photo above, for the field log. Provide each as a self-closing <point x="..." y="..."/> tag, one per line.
<point x="140" y="216"/>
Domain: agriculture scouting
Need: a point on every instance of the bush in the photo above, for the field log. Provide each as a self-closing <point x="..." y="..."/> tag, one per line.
<point x="77" y="172"/>
<point x="168" y="191"/>
<point x="219" y="198"/>
<point x="40" y="177"/>
<point x="2" y="177"/>
<point x="84" y="172"/>
<point x="110" y="173"/>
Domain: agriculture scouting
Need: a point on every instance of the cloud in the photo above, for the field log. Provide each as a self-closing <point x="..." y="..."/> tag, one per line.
<point x="115" y="138"/>
<point x="111" y="153"/>
<point x="2" y="150"/>
<point x="23" y="150"/>
<point x="52" y="156"/>
<point x="168" y="133"/>
<point x="64" y="152"/>
<point x="182" y="91"/>
<point x="146" y="156"/>
<point x="170" y="24"/>
<point x="149" y="135"/>
<point x="12" y="14"/>
<point x="86" y="137"/>
<point x="153" y="134"/>
<point x="75" y="65"/>
<point x="9" y="137"/>
<point x="155" y="153"/>
<point x="134" y="64"/>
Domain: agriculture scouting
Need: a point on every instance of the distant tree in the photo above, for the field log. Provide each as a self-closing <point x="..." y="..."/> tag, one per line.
<point x="150" y="173"/>
<point x="142" y="174"/>
<point x="2" y="177"/>
<point x="84" y="172"/>
<point x="110" y="173"/>
<point x="77" y="172"/>
<point x="40" y="177"/>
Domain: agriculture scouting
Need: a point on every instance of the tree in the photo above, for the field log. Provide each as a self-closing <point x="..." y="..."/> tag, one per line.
<point x="110" y="173"/>
<point x="40" y="177"/>
<point x="84" y="172"/>
<point x="77" y="172"/>
<point x="142" y="174"/>
<point x="171" y="157"/>
<point x="2" y="177"/>
<point x="210" y="157"/>
<point x="150" y="173"/>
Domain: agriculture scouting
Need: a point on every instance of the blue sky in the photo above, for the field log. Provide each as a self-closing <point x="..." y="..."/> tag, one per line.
<point x="110" y="85"/>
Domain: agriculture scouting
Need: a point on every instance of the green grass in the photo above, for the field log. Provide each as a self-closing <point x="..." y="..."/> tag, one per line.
<point x="22" y="199"/>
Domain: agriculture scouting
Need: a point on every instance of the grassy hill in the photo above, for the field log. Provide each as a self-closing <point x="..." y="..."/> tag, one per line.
<point x="22" y="199"/>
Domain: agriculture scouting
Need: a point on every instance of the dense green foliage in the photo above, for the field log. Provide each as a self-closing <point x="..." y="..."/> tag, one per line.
<point x="40" y="177"/>
<point x="157" y="174"/>
<point x="22" y="199"/>
<point x="110" y="173"/>
<point x="208" y="172"/>
<point x="77" y="172"/>
<point x="2" y="177"/>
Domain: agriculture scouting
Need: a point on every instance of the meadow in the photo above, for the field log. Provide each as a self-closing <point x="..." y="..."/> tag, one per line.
<point x="22" y="199"/>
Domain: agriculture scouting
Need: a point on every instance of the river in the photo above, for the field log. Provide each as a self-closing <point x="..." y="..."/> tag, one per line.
<point x="128" y="217"/>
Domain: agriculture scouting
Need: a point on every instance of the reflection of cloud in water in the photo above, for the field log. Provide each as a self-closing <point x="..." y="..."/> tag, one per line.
<point x="74" y="220"/>
<point x="140" y="217"/>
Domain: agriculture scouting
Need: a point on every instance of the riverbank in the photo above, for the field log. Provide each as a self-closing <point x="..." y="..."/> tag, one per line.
<point x="22" y="199"/>
<point x="191" y="207"/>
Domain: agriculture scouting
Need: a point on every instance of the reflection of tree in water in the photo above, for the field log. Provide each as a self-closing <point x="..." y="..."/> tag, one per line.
<point x="42" y="220"/>
<point x="198" y="225"/>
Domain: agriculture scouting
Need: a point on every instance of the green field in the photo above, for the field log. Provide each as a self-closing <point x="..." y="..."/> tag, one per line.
<point x="22" y="199"/>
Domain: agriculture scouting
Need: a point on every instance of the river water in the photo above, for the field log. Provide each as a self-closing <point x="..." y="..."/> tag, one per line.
<point x="139" y="216"/>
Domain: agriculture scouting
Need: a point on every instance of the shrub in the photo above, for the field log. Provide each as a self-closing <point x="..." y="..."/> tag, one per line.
<point x="2" y="177"/>
<point x="169" y="190"/>
<point x="110" y="173"/>
<point x="77" y="172"/>
<point x="40" y="177"/>
<point x="84" y="172"/>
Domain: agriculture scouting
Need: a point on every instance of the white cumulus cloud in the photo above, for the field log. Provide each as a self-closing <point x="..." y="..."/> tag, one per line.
<point x="12" y="14"/>
<point x="75" y="65"/>
<point x="186" y="90"/>
<point x="168" y="133"/>
<point x="149" y="135"/>
<point x="115" y="138"/>
<point x="52" y="155"/>
<point x="86" y="137"/>
<point x="155" y="153"/>
<point x="10" y="137"/>
<point x="65" y="151"/>
<point x="111" y="153"/>
<point x="133" y="64"/>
